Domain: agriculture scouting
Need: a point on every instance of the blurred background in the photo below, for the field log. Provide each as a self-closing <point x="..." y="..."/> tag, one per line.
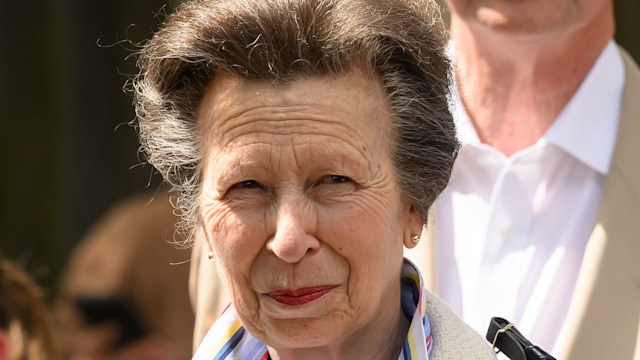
<point x="66" y="150"/>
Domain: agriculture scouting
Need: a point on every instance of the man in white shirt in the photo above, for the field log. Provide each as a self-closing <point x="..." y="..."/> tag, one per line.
<point x="537" y="223"/>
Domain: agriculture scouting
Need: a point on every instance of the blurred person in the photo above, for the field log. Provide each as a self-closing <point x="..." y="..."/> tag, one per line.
<point x="308" y="139"/>
<point x="538" y="224"/>
<point x="25" y="327"/>
<point x="124" y="294"/>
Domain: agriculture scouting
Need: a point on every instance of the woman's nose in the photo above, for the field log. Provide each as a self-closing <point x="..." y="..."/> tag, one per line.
<point x="294" y="235"/>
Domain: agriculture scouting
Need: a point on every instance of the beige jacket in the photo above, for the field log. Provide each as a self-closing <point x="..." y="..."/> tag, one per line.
<point x="604" y="316"/>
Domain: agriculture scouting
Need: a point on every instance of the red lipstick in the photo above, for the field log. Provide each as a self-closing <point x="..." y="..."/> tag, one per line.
<point x="299" y="296"/>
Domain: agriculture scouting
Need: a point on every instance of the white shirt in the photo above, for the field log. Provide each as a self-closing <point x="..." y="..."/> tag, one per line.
<point x="511" y="232"/>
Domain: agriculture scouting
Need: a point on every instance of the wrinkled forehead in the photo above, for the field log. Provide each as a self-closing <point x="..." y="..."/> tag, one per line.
<point x="351" y="104"/>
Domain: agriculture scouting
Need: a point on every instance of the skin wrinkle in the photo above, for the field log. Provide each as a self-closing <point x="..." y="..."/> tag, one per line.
<point x="244" y="113"/>
<point x="247" y="161"/>
<point x="221" y="228"/>
<point x="282" y="115"/>
<point x="296" y="159"/>
<point x="371" y="183"/>
<point x="282" y="126"/>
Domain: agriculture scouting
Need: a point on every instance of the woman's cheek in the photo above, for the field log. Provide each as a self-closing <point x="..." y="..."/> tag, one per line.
<point x="238" y="238"/>
<point x="234" y="241"/>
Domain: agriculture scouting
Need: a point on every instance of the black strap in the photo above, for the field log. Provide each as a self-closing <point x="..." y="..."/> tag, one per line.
<point x="505" y="337"/>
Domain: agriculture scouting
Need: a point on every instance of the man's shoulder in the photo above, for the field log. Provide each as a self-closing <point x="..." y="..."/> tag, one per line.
<point x="623" y="179"/>
<point x="632" y="70"/>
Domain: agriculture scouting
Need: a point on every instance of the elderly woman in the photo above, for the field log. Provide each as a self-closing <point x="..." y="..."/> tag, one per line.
<point x="308" y="139"/>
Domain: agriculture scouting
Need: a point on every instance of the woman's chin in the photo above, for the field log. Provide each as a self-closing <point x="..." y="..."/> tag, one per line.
<point x="303" y="334"/>
<point x="313" y="324"/>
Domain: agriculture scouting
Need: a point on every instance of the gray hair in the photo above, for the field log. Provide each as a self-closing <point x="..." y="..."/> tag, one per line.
<point x="400" y="41"/>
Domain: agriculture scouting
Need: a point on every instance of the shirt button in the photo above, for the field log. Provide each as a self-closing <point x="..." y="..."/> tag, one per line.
<point x="506" y="234"/>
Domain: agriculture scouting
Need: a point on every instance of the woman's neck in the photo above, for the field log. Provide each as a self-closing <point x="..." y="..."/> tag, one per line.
<point x="513" y="87"/>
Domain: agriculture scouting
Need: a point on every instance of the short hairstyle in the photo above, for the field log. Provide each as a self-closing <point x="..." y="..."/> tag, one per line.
<point x="24" y="316"/>
<point x="400" y="41"/>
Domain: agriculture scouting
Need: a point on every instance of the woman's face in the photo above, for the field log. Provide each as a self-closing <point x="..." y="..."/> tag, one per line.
<point x="301" y="208"/>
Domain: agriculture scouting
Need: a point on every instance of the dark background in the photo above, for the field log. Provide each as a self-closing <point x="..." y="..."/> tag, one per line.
<point x="66" y="150"/>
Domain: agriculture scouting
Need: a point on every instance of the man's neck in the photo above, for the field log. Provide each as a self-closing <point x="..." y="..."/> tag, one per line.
<point x="514" y="87"/>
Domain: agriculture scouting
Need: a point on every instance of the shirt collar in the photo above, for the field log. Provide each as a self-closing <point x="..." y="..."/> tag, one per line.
<point x="586" y="128"/>
<point x="594" y="110"/>
<point x="227" y="338"/>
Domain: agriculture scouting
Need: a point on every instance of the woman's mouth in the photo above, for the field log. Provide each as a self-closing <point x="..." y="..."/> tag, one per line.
<point x="299" y="296"/>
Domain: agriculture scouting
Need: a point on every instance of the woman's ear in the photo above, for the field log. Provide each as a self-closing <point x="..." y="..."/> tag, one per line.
<point x="414" y="225"/>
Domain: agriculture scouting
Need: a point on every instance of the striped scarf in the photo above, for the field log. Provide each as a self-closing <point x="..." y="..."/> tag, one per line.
<point x="228" y="340"/>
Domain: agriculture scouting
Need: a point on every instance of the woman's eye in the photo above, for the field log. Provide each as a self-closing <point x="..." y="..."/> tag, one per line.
<point x="246" y="184"/>
<point x="336" y="179"/>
